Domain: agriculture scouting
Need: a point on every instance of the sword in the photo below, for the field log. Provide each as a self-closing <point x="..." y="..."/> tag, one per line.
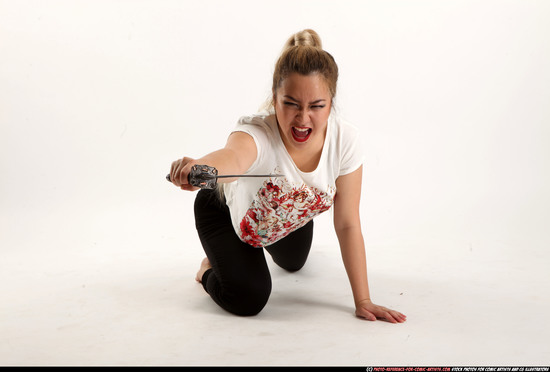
<point x="206" y="177"/>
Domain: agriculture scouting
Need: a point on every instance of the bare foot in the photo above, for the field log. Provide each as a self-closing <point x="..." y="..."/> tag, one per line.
<point x="205" y="265"/>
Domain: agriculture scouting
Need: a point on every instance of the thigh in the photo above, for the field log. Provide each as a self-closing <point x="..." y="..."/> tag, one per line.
<point x="292" y="251"/>
<point x="235" y="264"/>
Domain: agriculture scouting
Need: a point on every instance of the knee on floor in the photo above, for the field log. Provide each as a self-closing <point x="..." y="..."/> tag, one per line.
<point x="249" y="299"/>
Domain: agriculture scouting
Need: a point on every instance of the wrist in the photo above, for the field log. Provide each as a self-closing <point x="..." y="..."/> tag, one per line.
<point x="362" y="301"/>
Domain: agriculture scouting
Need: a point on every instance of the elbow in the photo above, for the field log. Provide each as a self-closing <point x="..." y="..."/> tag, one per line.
<point x="347" y="228"/>
<point x="344" y="222"/>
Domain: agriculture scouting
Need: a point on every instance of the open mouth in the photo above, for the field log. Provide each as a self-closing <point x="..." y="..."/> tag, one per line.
<point x="301" y="134"/>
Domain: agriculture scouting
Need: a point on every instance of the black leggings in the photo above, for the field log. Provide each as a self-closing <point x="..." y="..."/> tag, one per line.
<point x="239" y="280"/>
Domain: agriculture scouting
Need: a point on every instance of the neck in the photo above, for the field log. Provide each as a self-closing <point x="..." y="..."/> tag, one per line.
<point x="306" y="157"/>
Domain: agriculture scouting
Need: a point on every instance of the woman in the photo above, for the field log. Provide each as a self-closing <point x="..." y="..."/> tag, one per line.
<point x="320" y="165"/>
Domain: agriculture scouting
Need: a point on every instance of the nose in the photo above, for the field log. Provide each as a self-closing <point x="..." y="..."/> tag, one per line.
<point x="302" y="117"/>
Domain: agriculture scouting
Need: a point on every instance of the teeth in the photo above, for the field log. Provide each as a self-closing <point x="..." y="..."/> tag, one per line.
<point x="301" y="129"/>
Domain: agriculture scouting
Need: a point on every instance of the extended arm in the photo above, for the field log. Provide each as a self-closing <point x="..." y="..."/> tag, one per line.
<point x="347" y="225"/>
<point x="235" y="158"/>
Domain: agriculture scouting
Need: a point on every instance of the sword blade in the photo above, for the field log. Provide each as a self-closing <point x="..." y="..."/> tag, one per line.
<point x="207" y="176"/>
<point x="247" y="175"/>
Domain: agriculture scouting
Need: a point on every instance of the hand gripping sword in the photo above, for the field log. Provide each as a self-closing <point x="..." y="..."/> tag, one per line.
<point x="206" y="177"/>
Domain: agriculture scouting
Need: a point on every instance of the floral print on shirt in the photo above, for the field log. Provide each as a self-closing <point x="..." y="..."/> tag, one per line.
<point x="279" y="209"/>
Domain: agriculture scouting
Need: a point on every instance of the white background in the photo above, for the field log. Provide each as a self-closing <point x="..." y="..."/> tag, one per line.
<point x="97" y="98"/>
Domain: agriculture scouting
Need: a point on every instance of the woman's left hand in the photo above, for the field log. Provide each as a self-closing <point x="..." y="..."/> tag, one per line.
<point x="367" y="310"/>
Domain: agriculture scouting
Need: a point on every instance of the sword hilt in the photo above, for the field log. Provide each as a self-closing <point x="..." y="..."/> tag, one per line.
<point x="206" y="177"/>
<point x="202" y="176"/>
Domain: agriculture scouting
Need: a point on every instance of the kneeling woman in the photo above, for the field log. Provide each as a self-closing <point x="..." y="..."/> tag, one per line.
<point x="320" y="161"/>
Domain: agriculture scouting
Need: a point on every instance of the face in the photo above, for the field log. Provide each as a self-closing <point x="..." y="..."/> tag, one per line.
<point x="302" y="106"/>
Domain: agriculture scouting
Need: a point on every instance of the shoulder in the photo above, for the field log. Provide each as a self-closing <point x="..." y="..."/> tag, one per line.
<point x="260" y="119"/>
<point x="346" y="145"/>
<point x="342" y="129"/>
<point x="257" y="125"/>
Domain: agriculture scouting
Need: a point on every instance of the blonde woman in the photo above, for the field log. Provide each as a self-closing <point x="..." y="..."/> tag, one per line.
<point x="318" y="155"/>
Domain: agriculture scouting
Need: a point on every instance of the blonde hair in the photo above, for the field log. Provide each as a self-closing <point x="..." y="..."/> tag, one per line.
<point x="303" y="54"/>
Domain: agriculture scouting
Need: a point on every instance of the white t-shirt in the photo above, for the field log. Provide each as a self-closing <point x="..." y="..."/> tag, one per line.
<point x="264" y="210"/>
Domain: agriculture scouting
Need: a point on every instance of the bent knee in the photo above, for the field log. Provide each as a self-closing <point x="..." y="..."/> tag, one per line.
<point x="293" y="267"/>
<point x="250" y="300"/>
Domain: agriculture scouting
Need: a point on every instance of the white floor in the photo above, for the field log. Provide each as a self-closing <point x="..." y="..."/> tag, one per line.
<point x="117" y="288"/>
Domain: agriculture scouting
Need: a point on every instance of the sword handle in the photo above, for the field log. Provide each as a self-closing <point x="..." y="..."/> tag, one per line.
<point x="202" y="176"/>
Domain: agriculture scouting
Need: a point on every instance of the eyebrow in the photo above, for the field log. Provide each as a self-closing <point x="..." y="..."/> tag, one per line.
<point x="311" y="103"/>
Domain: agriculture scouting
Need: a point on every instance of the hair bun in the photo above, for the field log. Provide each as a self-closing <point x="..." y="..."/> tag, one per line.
<point x="305" y="38"/>
<point x="303" y="54"/>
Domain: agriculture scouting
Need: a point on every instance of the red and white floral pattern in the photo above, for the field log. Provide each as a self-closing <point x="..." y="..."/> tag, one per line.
<point x="279" y="209"/>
